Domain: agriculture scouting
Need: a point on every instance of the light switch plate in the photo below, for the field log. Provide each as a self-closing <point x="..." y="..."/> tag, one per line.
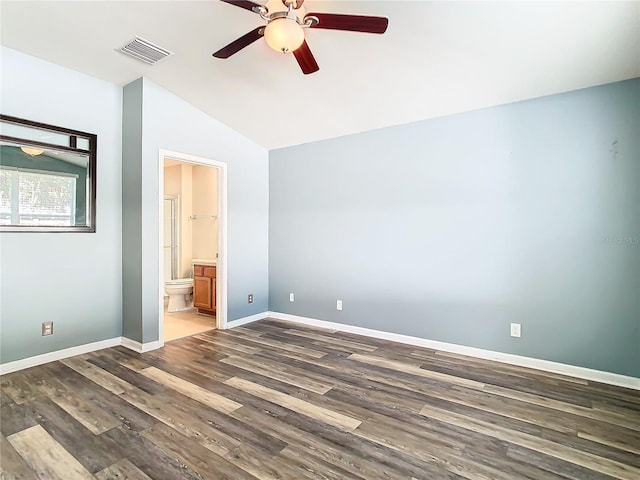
<point x="515" y="330"/>
<point x="47" y="328"/>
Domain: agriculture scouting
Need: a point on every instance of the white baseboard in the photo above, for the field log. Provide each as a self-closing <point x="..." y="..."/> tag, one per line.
<point x="141" y="347"/>
<point x="244" y="320"/>
<point x="36" y="360"/>
<point x="138" y="347"/>
<point x="545" y="365"/>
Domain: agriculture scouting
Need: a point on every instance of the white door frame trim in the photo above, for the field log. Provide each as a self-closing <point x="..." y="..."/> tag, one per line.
<point x="221" y="265"/>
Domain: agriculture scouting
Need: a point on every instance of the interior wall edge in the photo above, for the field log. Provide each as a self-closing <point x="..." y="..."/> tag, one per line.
<point x="246" y="320"/>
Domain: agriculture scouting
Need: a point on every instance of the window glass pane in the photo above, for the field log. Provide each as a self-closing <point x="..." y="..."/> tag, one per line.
<point x="45" y="197"/>
<point x="5" y="196"/>
<point x="26" y="132"/>
<point x="82" y="143"/>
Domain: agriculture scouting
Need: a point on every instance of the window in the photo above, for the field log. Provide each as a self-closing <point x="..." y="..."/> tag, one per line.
<point x="29" y="197"/>
<point x="47" y="177"/>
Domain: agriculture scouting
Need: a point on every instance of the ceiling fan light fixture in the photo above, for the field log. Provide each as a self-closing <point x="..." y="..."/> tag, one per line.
<point x="32" y="151"/>
<point x="286" y="21"/>
<point x="284" y="35"/>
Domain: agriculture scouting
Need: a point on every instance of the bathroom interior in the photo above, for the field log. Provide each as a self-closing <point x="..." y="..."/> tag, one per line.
<point x="190" y="233"/>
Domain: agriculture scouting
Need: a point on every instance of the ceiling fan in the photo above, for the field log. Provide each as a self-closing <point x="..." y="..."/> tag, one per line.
<point x="284" y="32"/>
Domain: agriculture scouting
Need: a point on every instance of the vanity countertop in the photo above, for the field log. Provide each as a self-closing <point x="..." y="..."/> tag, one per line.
<point x="204" y="261"/>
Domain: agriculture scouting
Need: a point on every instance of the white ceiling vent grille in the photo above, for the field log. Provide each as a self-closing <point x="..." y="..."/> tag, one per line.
<point x="145" y="51"/>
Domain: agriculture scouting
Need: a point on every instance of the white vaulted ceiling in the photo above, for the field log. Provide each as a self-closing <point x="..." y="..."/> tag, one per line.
<point x="436" y="58"/>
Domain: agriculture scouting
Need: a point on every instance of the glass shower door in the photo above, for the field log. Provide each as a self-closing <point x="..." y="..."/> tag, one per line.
<point x="171" y="244"/>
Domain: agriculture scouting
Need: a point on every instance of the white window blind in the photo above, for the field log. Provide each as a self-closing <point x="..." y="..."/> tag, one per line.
<point x="28" y="197"/>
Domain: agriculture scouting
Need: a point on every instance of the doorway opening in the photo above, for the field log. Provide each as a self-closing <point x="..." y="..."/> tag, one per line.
<point x="193" y="206"/>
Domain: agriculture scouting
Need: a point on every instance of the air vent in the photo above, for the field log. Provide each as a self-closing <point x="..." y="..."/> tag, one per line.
<point x="145" y="51"/>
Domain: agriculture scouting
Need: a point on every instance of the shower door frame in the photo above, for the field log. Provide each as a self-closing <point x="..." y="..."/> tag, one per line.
<point x="176" y="254"/>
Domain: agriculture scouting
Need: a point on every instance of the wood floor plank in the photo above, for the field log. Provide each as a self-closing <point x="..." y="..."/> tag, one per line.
<point x="279" y="401"/>
<point x="94" y="452"/>
<point x="229" y="346"/>
<point x="284" y="325"/>
<point x="127" y="358"/>
<point x="248" y="331"/>
<point x="15" y="417"/>
<point x="174" y="417"/>
<point x="215" y="429"/>
<point x="632" y="422"/>
<point x="97" y="375"/>
<point x="200" y="459"/>
<point x="403" y="430"/>
<point x="456" y="359"/>
<point x="313" y="467"/>
<point x="150" y="458"/>
<point x="201" y="368"/>
<point x="17" y="388"/>
<point x="546" y="464"/>
<point x="126" y="414"/>
<point x="86" y="412"/>
<point x="199" y="394"/>
<point x="123" y="470"/>
<point x="521" y="412"/>
<point x="266" y="467"/>
<point x="625" y="411"/>
<point x="12" y="465"/>
<point x="401" y="367"/>
<point x="629" y="442"/>
<point x="314" y="446"/>
<point x="46" y="457"/>
<point x="332" y="418"/>
<point x="441" y="456"/>
<point x="397" y="461"/>
<point x="538" y="415"/>
<point x="593" y="462"/>
<point x="128" y="376"/>
<point x="280" y="374"/>
<point x="307" y="352"/>
<point x="329" y="339"/>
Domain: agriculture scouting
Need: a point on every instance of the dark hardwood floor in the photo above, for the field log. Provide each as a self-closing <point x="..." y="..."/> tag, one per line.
<point x="280" y="401"/>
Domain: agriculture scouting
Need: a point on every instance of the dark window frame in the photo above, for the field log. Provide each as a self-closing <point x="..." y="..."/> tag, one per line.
<point x="90" y="226"/>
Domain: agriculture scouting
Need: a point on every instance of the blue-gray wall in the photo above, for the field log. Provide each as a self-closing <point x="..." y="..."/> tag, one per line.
<point x="132" y="211"/>
<point x="170" y="123"/>
<point x="449" y="229"/>
<point x="73" y="279"/>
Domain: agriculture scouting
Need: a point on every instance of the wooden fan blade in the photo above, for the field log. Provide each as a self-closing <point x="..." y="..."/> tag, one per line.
<point x="240" y="43"/>
<point x="305" y="59"/>
<point x="246" y="4"/>
<point x="353" y="23"/>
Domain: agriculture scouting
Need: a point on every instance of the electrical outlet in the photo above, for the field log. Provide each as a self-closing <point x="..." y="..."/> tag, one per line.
<point x="339" y="305"/>
<point x="250" y="298"/>
<point x="515" y="330"/>
<point x="47" y="328"/>
<point x="291" y="297"/>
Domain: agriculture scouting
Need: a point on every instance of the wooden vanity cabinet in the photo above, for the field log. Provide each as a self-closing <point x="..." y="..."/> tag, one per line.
<point x="204" y="289"/>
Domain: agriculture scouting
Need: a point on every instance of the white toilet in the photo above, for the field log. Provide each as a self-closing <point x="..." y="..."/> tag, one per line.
<point x="180" y="293"/>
